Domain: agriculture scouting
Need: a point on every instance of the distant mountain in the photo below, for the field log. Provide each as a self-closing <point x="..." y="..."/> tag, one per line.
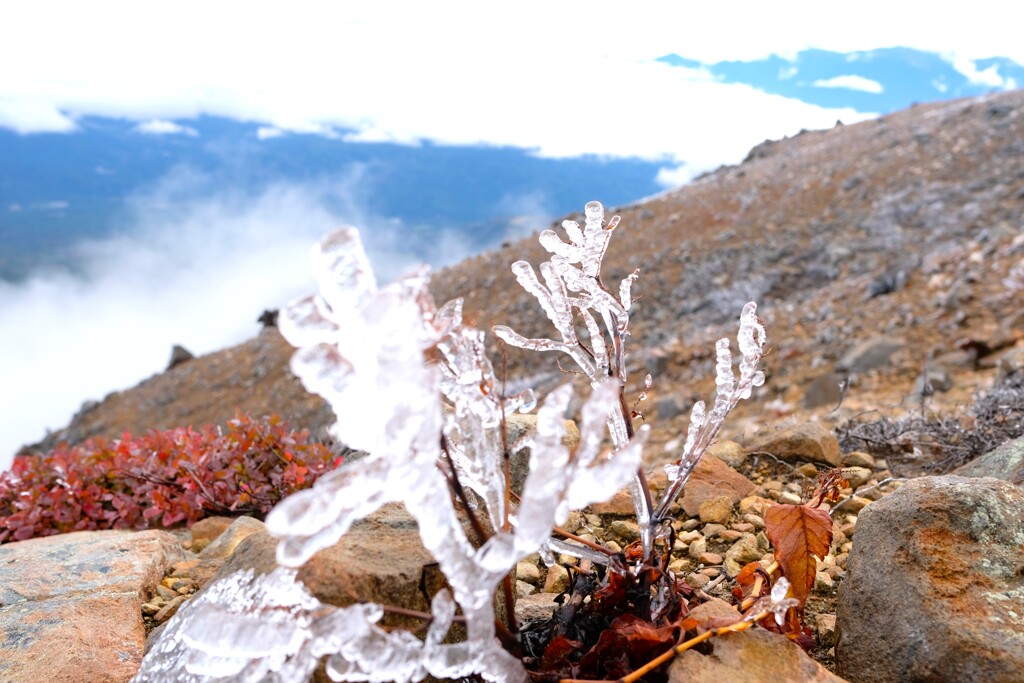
<point x="56" y="189"/>
<point x="879" y="81"/>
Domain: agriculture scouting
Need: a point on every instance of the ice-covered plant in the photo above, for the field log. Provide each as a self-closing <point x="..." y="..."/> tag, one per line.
<point x="387" y="359"/>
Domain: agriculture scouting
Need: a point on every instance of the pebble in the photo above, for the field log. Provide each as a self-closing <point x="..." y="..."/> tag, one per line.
<point x="557" y="579"/>
<point x="745" y="527"/>
<point x="689" y="536"/>
<point x="165" y="593"/>
<point x="698" y="547"/>
<point x="826" y="624"/>
<point x="149" y="608"/>
<point x="698" y="580"/>
<point x="754" y="505"/>
<point x="594" y="520"/>
<point x="857" y="476"/>
<point x="691" y="524"/>
<point x="710" y="530"/>
<point x="855" y="504"/>
<point x="710" y="558"/>
<point x="790" y="498"/>
<point x="808" y="470"/>
<point x="822" y="582"/>
<point x="755" y="520"/>
<point x="168" y="610"/>
<point x="528" y="572"/>
<point x="624" y="530"/>
<point x="717" y="510"/>
<point x="710" y="571"/>
<point x="523" y="589"/>
<point x="680" y="565"/>
<point x="860" y="459"/>
<point x="729" y="535"/>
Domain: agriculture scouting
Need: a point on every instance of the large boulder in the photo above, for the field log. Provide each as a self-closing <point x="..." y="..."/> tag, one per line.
<point x="70" y="604"/>
<point x="934" y="591"/>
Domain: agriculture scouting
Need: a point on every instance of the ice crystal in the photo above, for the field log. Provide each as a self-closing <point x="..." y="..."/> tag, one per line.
<point x="412" y="387"/>
<point x="241" y="629"/>
<point x="776" y="603"/>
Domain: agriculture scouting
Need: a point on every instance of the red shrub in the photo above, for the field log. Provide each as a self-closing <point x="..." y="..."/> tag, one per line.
<point x="160" y="479"/>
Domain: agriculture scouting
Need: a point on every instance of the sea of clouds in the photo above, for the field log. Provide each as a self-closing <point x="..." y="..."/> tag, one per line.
<point x="192" y="265"/>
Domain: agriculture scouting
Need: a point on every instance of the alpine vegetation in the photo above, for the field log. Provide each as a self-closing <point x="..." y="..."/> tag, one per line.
<point x="436" y="441"/>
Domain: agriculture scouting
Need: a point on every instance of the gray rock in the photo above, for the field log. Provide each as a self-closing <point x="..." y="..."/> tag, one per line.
<point x="669" y="407"/>
<point x="823" y="390"/>
<point x="869" y="355"/>
<point x="179" y="355"/>
<point x="1005" y="462"/>
<point x="934" y="589"/>
<point x="932" y="380"/>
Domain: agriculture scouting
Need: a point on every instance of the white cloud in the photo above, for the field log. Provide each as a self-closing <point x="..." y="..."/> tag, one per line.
<point x="159" y="127"/>
<point x="674" y="176"/>
<point x="268" y="132"/>
<point x="851" y="82"/>
<point x="190" y="271"/>
<point x="32" y="116"/>
<point x="989" y="77"/>
<point x="565" y="78"/>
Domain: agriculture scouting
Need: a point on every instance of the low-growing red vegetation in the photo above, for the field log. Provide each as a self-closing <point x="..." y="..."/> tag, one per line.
<point x="160" y="479"/>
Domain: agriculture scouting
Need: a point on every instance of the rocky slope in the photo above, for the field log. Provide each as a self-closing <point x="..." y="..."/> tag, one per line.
<point x="877" y="252"/>
<point x="888" y="262"/>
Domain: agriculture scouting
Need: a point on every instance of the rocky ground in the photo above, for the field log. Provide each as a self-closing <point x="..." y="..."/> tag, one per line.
<point x="887" y="259"/>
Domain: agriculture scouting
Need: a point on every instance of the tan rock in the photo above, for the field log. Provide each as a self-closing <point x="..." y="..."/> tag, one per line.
<point x="84" y="562"/>
<point x="557" y="579"/>
<point x="206" y="531"/>
<point x="729" y="452"/>
<point x="71" y="605"/>
<point x="751" y="656"/>
<point x="517" y="425"/>
<point x="710" y="558"/>
<point x="76" y="638"/>
<point x="528" y="572"/>
<point x="805" y="441"/>
<point x="826" y="624"/>
<point x="214" y="555"/>
<point x="717" y="509"/>
<point x="740" y="553"/>
<point x="859" y="459"/>
<point x="535" y="607"/>
<point x="712" y="478"/>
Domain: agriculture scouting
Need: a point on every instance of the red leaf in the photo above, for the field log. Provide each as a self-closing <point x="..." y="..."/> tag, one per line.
<point x="799" y="533"/>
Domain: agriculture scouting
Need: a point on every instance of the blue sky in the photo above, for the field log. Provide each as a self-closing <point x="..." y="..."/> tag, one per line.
<point x="562" y="79"/>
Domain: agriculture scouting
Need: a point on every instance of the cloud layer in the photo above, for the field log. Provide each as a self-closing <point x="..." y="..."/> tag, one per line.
<point x="197" y="275"/>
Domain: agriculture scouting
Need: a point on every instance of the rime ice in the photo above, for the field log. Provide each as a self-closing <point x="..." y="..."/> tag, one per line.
<point x="386" y="360"/>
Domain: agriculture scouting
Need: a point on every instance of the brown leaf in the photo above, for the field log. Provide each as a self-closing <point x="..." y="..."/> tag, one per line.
<point x="799" y="533"/>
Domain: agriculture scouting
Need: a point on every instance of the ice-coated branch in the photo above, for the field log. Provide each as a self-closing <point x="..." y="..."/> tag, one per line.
<point x="704" y="427"/>
<point x="593" y="301"/>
